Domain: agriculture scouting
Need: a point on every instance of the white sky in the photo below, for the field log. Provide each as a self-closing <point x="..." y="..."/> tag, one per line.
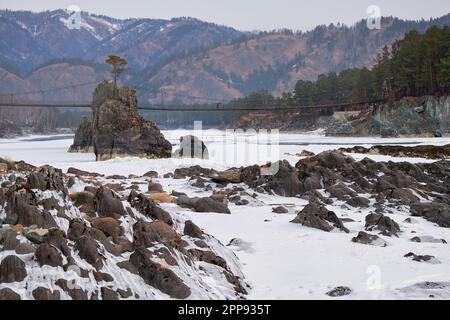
<point x="247" y="14"/>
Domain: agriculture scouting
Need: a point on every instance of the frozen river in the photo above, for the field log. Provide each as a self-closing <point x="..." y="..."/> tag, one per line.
<point x="225" y="150"/>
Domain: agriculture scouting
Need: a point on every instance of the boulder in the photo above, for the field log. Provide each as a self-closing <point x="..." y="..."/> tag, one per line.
<point x="6" y="294"/>
<point x="435" y="212"/>
<point x="315" y="215"/>
<point x="154" y="187"/>
<point x="339" y="292"/>
<point x="12" y="269"/>
<point x="228" y="176"/>
<point x="120" y="131"/>
<point x="48" y="255"/>
<point x="192" y="230"/>
<point x="88" y="250"/>
<point x="358" y="202"/>
<point x="158" y="276"/>
<point x="83" y="137"/>
<point x="147" y="233"/>
<point x="108" y="204"/>
<point x="191" y="147"/>
<point x="109" y="294"/>
<point x="44" y="294"/>
<point x="422" y="258"/>
<point x="203" y="205"/>
<point x="148" y="207"/>
<point x="365" y="238"/>
<point x="73" y="291"/>
<point x="386" y="225"/>
<point x="109" y="226"/>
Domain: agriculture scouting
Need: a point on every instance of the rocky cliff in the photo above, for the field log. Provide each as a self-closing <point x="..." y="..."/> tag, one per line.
<point x="119" y="130"/>
<point x="427" y="116"/>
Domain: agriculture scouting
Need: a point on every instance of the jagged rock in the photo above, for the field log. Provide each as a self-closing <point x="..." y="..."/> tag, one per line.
<point x="386" y="225"/>
<point x="435" y="212"/>
<point x="7" y="294"/>
<point x="57" y="239"/>
<point x="108" y="204"/>
<point x="191" y="147"/>
<point x="22" y="209"/>
<point x="12" y="269"/>
<point x="209" y="257"/>
<point x="48" y="255"/>
<point x="46" y="178"/>
<point x="365" y="238"/>
<point x="80" y="173"/>
<point x="317" y="216"/>
<point x="109" y="226"/>
<point x="158" y="276"/>
<point x="45" y="294"/>
<point x="127" y="265"/>
<point x="422" y="258"/>
<point x="341" y="192"/>
<point x="151" y="174"/>
<point x="125" y="293"/>
<point x="82" y="198"/>
<point x="280" y="210"/>
<point x="101" y="276"/>
<point x="148" y="207"/>
<point x="404" y="196"/>
<point x="83" y="137"/>
<point x="192" y="230"/>
<point x="36" y="235"/>
<point x="25" y="248"/>
<point x="155" y="187"/>
<point x="194" y="171"/>
<point x="358" y="202"/>
<point x="73" y="291"/>
<point x="203" y="204"/>
<point x="108" y="294"/>
<point x="88" y="250"/>
<point x="147" y="233"/>
<point x="339" y="292"/>
<point x="10" y="241"/>
<point x="119" y="130"/>
<point x="228" y="176"/>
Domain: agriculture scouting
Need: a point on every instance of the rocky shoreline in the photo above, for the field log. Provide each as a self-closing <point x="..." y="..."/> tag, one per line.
<point x="125" y="238"/>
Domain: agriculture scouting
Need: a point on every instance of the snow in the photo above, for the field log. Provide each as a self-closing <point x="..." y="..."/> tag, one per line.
<point x="279" y="259"/>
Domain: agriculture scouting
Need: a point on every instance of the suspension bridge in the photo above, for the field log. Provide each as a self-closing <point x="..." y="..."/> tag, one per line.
<point x="39" y="100"/>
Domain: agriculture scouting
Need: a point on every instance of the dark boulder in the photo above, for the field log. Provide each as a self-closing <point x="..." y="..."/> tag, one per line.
<point x="147" y="233"/>
<point x="203" y="205"/>
<point x="108" y="204"/>
<point x="386" y="225"/>
<point x="192" y="230"/>
<point x="358" y="202"/>
<point x="109" y="294"/>
<point x="315" y="215"/>
<point x="48" y="255"/>
<point x="6" y="294"/>
<point x="12" y="269"/>
<point x="158" y="276"/>
<point x="365" y="238"/>
<point x="435" y="212"/>
<point x="45" y="294"/>
<point x="280" y="210"/>
<point x="148" y="207"/>
<point x="339" y="292"/>
<point x="72" y="290"/>
<point x="83" y="137"/>
<point x="88" y="250"/>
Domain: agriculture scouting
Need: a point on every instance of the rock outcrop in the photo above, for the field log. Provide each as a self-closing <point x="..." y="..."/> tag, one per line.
<point x="116" y="128"/>
<point x="83" y="137"/>
<point x="125" y="247"/>
<point x="421" y="151"/>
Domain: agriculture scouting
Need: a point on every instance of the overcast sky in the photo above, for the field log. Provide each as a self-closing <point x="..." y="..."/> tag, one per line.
<point x="248" y="14"/>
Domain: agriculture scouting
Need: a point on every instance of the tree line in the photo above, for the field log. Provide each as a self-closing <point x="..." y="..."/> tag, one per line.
<point x="417" y="65"/>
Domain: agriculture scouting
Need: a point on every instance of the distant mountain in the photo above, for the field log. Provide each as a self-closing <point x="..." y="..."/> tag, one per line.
<point x="28" y="39"/>
<point x="170" y="60"/>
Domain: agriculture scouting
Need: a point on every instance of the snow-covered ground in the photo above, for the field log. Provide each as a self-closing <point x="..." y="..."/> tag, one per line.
<point x="225" y="150"/>
<point x="281" y="260"/>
